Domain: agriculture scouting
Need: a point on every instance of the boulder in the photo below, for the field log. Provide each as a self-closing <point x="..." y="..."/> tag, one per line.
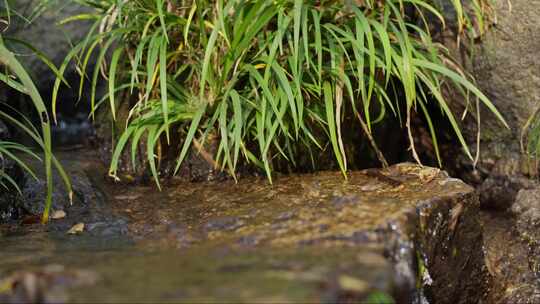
<point x="511" y="249"/>
<point x="406" y="234"/>
<point x="526" y="210"/>
<point x="320" y="237"/>
<point x="504" y="62"/>
<point x="527" y="207"/>
<point x="45" y="34"/>
<point x="88" y="204"/>
<point x="509" y="261"/>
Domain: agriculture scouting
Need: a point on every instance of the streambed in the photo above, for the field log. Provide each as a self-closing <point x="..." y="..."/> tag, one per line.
<point x="406" y="234"/>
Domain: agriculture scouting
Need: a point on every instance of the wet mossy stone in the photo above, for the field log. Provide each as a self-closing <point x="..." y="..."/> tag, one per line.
<point x="406" y="232"/>
<point x="88" y="204"/>
<point x="506" y="65"/>
<point x="34" y="193"/>
<point x="511" y="258"/>
<point x="389" y="220"/>
<point x="526" y="209"/>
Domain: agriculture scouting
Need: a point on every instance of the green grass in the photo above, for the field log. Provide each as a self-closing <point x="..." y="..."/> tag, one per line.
<point x="15" y="76"/>
<point x="530" y="138"/>
<point x="273" y="79"/>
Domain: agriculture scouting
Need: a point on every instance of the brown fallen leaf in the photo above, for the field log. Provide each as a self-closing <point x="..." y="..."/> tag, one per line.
<point x="426" y="174"/>
<point x="76" y="229"/>
<point x="352" y="284"/>
<point x="58" y="214"/>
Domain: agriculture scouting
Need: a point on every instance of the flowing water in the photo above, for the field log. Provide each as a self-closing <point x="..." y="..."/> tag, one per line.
<point x="377" y="236"/>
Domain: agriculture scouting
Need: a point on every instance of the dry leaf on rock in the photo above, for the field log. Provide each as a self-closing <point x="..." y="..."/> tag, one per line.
<point x="58" y="214"/>
<point x="76" y="229"/>
<point x="353" y="284"/>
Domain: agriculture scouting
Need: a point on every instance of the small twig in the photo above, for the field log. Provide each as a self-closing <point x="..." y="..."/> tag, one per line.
<point x="339" y="104"/>
<point x="411" y="139"/>
<point x="380" y="155"/>
<point x="205" y="154"/>
<point x="376" y="173"/>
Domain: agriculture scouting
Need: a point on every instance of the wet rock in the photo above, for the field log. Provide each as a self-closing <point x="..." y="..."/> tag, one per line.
<point x="309" y="241"/>
<point x="10" y="200"/>
<point x="224" y="223"/>
<point x="108" y="228"/>
<point x="45" y="35"/>
<point x="97" y="222"/>
<point x="450" y="268"/>
<point x="340" y="201"/>
<point x="526" y="209"/>
<point x="89" y="205"/>
<point x="394" y="212"/>
<point x="505" y="65"/>
<point x="509" y="260"/>
<point x="34" y="193"/>
<point x="498" y="192"/>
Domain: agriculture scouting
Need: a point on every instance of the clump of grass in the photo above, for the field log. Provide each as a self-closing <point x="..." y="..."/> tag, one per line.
<point x="269" y="77"/>
<point x="15" y="76"/>
<point x="530" y="138"/>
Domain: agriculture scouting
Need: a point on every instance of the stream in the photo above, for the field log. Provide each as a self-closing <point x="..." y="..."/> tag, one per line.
<point x="406" y="234"/>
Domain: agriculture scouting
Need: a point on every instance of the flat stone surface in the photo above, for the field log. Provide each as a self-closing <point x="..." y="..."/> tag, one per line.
<point x="306" y="238"/>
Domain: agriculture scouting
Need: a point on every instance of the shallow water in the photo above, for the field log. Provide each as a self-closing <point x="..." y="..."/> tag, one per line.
<point x="127" y="272"/>
<point x="306" y="238"/>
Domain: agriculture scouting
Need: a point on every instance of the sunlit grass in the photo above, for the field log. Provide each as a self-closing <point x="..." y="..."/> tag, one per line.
<point x="273" y="79"/>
